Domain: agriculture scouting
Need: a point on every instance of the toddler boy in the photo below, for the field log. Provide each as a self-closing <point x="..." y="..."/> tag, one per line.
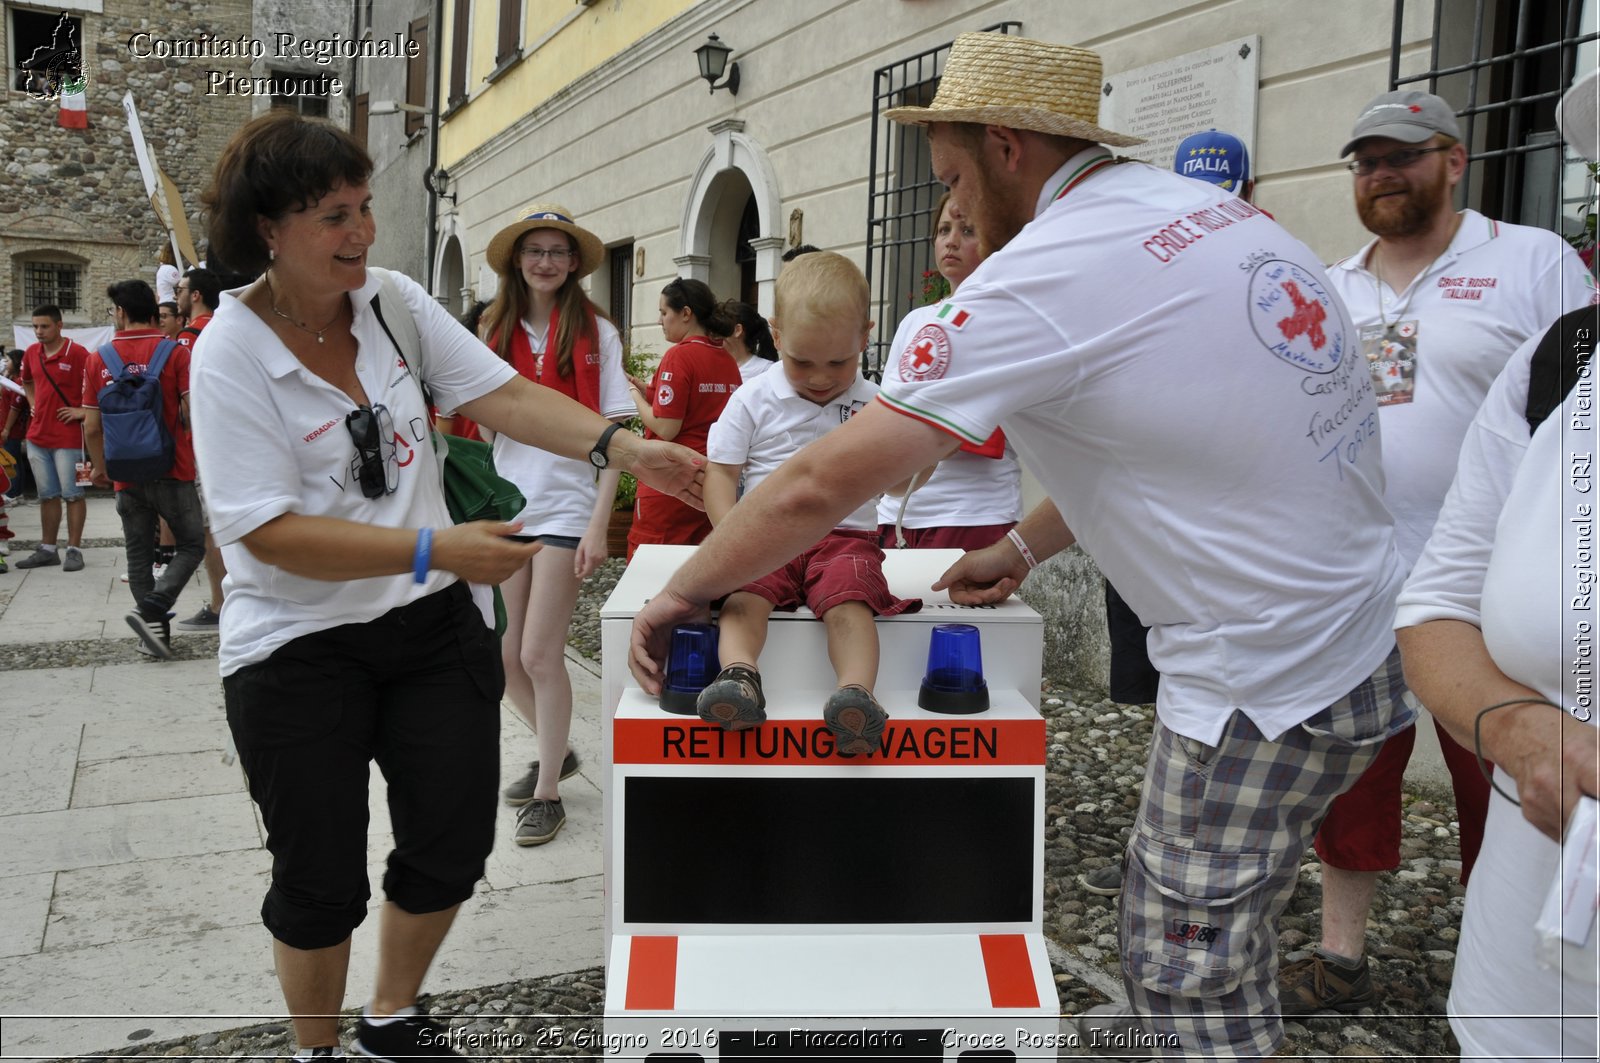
<point x="820" y="328"/>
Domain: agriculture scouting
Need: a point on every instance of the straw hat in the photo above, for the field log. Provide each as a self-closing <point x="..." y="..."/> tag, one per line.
<point x="994" y="79"/>
<point x="591" y="252"/>
<point x="1575" y="116"/>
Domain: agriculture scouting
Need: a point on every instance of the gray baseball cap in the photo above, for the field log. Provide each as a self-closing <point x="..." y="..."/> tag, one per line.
<point x="1411" y="117"/>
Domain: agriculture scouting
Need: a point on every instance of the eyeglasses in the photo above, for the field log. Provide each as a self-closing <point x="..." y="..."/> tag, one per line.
<point x="1403" y="159"/>
<point x="557" y="255"/>
<point x="372" y="430"/>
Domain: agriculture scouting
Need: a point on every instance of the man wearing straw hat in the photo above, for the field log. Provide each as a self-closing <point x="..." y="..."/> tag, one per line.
<point x="1170" y="363"/>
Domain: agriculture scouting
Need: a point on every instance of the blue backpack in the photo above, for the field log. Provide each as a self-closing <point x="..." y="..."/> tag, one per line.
<point x="138" y="446"/>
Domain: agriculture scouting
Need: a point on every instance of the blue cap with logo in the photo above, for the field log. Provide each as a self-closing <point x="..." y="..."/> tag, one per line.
<point x="1214" y="156"/>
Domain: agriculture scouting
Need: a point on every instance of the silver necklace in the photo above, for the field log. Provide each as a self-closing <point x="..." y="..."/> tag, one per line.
<point x="1390" y="327"/>
<point x="317" y="332"/>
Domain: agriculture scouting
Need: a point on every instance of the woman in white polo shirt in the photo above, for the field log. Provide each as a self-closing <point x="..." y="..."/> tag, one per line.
<point x="350" y="635"/>
<point x="975" y="495"/>
<point x="544" y="326"/>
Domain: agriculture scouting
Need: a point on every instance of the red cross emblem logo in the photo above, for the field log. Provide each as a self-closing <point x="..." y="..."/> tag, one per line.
<point x="927" y="356"/>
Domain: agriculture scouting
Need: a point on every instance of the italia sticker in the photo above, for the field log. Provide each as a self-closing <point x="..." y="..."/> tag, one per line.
<point x="953" y="316"/>
<point x="1294" y="317"/>
<point x="928" y="354"/>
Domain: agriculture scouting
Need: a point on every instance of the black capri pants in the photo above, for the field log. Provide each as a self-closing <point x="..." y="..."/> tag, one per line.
<point x="417" y="690"/>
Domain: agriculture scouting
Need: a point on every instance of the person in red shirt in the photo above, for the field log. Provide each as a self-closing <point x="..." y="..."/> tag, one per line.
<point x="52" y="374"/>
<point x="691" y="386"/>
<point x="171" y="497"/>
<point x="14" y="417"/>
<point x="199" y="294"/>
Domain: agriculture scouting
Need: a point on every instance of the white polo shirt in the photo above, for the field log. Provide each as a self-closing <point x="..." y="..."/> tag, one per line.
<point x="1171" y="363"/>
<point x="767" y="422"/>
<point x="561" y="492"/>
<point x="966" y="490"/>
<point x="1453" y="329"/>
<point x="270" y="438"/>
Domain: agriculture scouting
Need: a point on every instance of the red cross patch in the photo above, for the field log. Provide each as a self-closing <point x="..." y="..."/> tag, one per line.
<point x="927" y="356"/>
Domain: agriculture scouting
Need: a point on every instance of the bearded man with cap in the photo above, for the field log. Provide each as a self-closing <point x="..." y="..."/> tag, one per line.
<point x="1121" y="318"/>
<point x="1440" y="299"/>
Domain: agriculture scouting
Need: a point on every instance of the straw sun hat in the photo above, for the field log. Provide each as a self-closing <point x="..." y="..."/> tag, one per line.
<point x="994" y="79"/>
<point x="591" y="252"/>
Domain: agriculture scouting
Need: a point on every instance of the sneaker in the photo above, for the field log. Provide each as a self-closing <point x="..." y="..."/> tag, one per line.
<point x="1109" y="1031"/>
<point x="403" y="1037"/>
<point x="158" y="570"/>
<point x="73" y="561"/>
<point x="734" y="699"/>
<point x="40" y="558"/>
<point x="5" y="547"/>
<point x="520" y="792"/>
<point x="1103" y="882"/>
<point x="1320" y="983"/>
<point x="205" y="620"/>
<point x="3" y="568"/>
<point x="123" y="577"/>
<point x="539" y="821"/>
<point x="856" y="720"/>
<point x="154" y="635"/>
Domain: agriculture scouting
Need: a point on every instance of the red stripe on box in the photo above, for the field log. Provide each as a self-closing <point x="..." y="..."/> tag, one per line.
<point x="946" y="742"/>
<point x="652" y="974"/>
<point x="1005" y="960"/>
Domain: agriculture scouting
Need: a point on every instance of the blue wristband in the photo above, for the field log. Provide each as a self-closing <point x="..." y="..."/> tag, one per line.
<point x="422" y="556"/>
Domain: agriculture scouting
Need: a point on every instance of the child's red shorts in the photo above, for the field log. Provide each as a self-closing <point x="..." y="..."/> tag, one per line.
<point x="846" y="566"/>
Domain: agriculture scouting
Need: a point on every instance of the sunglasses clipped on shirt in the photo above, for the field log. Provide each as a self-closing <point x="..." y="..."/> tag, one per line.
<point x="1403" y="159"/>
<point x="372" y="431"/>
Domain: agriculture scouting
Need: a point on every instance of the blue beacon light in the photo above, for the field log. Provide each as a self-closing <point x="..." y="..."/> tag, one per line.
<point x="691" y="667"/>
<point x="954" y="681"/>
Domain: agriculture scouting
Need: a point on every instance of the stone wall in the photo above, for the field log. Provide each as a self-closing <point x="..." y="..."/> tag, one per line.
<point x="1069" y="592"/>
<point x="76" y="194"/>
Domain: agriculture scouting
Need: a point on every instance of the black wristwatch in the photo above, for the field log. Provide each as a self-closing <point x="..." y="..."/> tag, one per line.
<point x="597" y="456"/>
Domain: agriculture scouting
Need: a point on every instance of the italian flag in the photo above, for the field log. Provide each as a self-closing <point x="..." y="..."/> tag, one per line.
<point x="950" y="315"/>
<point x="74" y="112"/>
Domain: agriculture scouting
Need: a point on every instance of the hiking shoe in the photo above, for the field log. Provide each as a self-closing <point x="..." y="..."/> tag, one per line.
<point x="205" y="620"/>
<point x="402" y="1037"/>
<point x="40" y="558"/>
<point x="1110" y="1032"/>
<point x="1103" y="882"/>
<point x="154" y="635"/>
<point x="539" y="821"/>
<point x="856" y="720"/>
<point x="733" y="699"/>
<point x="520" y="792"/>
<point x="1321" y="983"/>
<point x="73" y="561"/>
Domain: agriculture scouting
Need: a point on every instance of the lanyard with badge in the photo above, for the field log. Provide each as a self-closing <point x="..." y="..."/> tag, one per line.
<point x="1391" y="346"/>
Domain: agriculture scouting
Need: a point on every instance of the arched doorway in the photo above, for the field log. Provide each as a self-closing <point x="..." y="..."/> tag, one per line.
<point x="450" y="272"/>
<point x="729" y="234"/>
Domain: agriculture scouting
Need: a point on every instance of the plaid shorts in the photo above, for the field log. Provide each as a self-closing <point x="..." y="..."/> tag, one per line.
<point x="1214" y="859"/>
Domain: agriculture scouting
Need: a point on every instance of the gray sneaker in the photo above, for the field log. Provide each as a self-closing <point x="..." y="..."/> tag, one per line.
<point x="520" y="792"/>
<point x="73" y="561"/>
<point x="539" y="821"/>
<point x="40" y="558"/>
<point x="1103" y="882"/>
<point x="205" y="620"/>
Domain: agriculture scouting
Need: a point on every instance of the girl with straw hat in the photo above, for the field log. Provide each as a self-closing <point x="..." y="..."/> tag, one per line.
<point x="548" y="329"/>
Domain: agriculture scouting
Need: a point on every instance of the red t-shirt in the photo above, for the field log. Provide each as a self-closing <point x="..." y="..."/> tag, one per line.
<point x="65" y="370"/>
<point x="195" y="326"/>
<point x="10" y="400"/>
<point x="135" y="347"/>
<point x="693" y="383"/>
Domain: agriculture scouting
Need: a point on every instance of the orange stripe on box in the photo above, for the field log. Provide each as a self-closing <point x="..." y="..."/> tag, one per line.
<point x="1005" y="960"/>
<point x="652" y="974"/>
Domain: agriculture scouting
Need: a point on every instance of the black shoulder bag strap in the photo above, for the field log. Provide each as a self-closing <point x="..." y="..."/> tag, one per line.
<point x="1563" y="353"/>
